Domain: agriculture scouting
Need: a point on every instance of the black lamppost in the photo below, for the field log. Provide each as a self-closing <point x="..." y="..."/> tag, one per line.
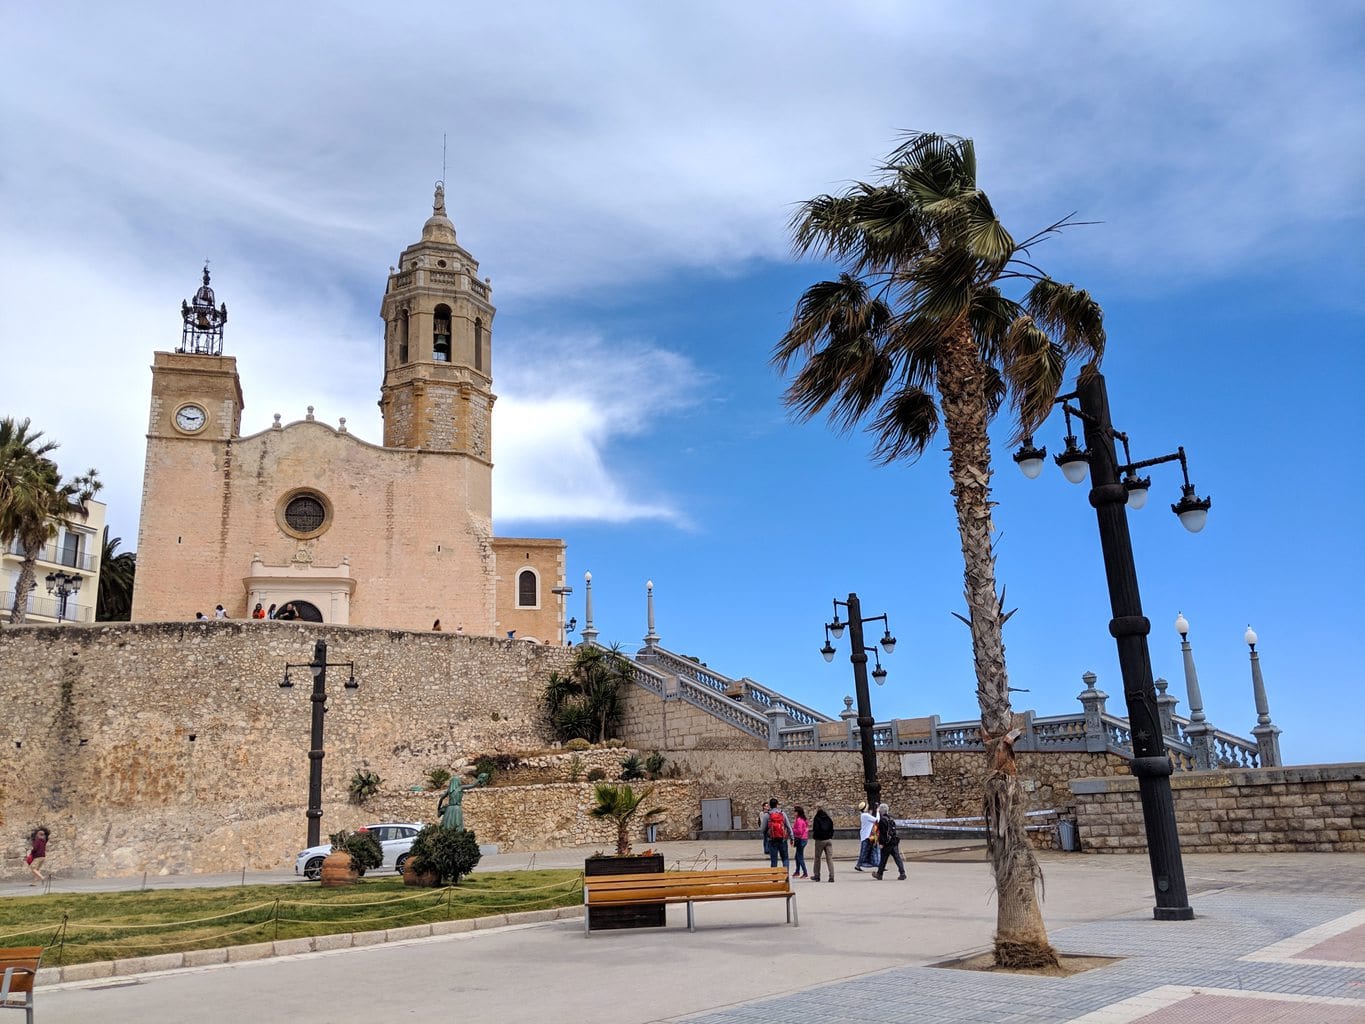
<point x="1108" y="495"/>
<point x="318" y="667"/>
<point x="858" y="655"/>
<point x="63" y="585"/>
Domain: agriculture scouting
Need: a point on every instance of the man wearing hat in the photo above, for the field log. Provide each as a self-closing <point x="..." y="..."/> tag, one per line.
<point x="867" y="831"/>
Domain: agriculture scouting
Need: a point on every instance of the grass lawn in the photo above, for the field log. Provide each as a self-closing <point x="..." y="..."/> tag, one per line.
<point x="81" y="927"/>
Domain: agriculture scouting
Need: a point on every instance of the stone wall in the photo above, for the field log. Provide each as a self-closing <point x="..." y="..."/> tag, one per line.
<point x="834" y="779"/>
<point x="1248" y="810"/>
<point x="171" y="747"/>
<point x="652" y="722"/>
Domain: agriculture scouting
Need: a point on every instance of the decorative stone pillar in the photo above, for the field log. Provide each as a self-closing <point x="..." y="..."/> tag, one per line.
<point x="777" y="721"/>
<point x="1199" y="732"/>
<point x="1165" y="705"/>
<point x="651" y="638"/>
<point x="1266" y="733"/>
<point x="589" y="633"/>
<point x="1092" y="700"/>
<point x="850" y="717"/>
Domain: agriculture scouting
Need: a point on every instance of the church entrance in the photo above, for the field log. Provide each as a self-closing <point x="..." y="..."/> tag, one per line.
<point x="305" y="611"/>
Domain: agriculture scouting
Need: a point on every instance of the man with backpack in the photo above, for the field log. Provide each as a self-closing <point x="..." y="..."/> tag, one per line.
<point x="777" y="829"/>
<point x="889" y="840"/>
<point x="822" y="832"/>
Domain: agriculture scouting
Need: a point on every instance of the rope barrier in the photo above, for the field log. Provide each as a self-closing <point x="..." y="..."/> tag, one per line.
<point x="174" y="924"/>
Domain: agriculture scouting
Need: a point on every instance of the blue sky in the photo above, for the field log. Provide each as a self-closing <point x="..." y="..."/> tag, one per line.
<point x="625" y="173"/>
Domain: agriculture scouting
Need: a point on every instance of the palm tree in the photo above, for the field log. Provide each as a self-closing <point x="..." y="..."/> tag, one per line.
<point x="587" y="701"/>
<point x="915" y="332"/>
<point x="118" y="570"/>
<point x="621" y="804"/>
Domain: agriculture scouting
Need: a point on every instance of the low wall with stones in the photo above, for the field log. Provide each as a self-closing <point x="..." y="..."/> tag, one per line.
<point x="834" y="780"/>
<point x="651" y="722"/>
<point x="171" y="747"/>
<point x="1319" y="808"/>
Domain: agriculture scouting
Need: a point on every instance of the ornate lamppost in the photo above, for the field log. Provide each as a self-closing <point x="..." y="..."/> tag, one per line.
<point x="318" y="667"/>
<point x="1115" y="485"/>
<point x="62" y="585"/>
<point x="858" y="656"/>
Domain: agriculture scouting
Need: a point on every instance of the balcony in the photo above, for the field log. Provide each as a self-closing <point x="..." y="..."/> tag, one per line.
<point x="56" y="554"/>
<point x="45" y="608"/>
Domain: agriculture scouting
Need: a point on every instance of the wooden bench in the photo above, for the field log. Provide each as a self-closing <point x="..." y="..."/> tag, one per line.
<point x="688" y="887"/>
<point x="20" y="967"/>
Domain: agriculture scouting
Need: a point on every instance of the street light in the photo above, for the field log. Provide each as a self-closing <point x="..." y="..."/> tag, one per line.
<point x="858" y="656"/>
<point x="318" y="667"/>
<point x="1109" y="495"/>
<point x="63" y="585"/>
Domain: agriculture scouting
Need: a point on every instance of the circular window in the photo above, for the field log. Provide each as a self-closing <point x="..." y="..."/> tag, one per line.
<point x="304" y="513"/>
<point x="440" y="263"/>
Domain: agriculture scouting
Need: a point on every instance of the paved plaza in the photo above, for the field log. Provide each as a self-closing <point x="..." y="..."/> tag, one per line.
<point x="1276" y="938"/>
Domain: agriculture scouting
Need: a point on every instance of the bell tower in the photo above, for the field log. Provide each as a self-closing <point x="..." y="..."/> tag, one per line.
<point x="438" y="369"/>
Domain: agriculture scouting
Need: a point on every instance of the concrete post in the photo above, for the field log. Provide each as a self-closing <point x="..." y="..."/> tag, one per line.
<point x="777" y="721"/>
<point x="850" y="718"/>
<point x="1199" y="732"/>
<point x="1092" y="700"/>
<point x="1266" y="733"/>
<point x="1165" y="706"/>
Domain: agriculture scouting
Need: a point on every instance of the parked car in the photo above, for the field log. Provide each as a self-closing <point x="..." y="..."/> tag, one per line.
<point x="395" y="839"/>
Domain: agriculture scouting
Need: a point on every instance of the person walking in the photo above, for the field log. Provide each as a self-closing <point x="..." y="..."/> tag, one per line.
<point x="867" y="843"/>
<point x="822" y="831"/>
<point x="890" y="842"/>
<point x="37" y="854"/>
<point x="800" y="836"/>
<point x="777" y="831"/>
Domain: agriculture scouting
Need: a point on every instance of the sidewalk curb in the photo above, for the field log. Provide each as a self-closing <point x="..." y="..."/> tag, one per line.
<point x="129" y="966"/>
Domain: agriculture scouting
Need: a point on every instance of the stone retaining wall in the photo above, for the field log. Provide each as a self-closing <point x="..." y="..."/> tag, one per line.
<point x="1247" y="810"/>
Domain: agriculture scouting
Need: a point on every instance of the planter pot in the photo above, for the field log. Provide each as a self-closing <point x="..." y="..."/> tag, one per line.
<point x="426" y="879"/>
<point x="639" y="916"/>
<point x="337" y="870"/>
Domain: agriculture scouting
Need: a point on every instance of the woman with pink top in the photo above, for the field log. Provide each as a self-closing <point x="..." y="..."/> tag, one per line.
<point x="800" y="835"/>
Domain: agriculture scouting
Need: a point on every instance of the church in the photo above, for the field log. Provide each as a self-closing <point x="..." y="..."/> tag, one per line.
<point x="397" y="535"/>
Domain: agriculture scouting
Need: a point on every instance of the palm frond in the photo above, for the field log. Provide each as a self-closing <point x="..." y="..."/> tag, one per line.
<point x="1034" y="367"/>
<point x="906" y="424"/>
<point x="1070" y="314"/>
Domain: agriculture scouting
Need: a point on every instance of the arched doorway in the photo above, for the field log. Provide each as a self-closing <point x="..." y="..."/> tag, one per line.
<point x="304" y="611"/>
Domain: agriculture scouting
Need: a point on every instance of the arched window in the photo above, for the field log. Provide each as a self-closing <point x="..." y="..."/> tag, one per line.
<point x="403" y="337"/>
<point x="478" y="344"/>
<point x="528" y="589"/>
<point x="440" y="334"/>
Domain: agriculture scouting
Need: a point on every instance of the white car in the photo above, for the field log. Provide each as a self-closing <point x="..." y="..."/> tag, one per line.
<point x="395" y="839"/>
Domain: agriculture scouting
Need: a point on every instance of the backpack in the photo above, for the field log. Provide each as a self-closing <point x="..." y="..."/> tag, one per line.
<point x="777" y="825"/>
<point x="886" y="831"/>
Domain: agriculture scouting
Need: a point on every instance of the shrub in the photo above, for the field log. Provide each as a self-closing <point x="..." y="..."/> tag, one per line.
<point x="364" y="784"/>
<point x="437" y="778"/>
<point x="578" y="743"/>
<point x="616" y="743"/>
<point x="631" y="768"/>
<point x="448" y="852"/>
<point x="575" y="768"/>
<point x="654" y="765"/>
<point x="596" y="775"/>
<point x="363" y="847"/>
<point x="621" y="805"/>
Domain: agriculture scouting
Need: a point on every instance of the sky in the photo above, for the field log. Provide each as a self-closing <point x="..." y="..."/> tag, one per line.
<point x="625" y="174"/>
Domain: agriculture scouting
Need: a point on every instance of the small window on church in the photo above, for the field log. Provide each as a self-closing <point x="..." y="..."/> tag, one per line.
<point x="403" y="338"/>
<point x="304" y="513"/>
<point x="478" y="344"/>
<point x="440" y="334"/>
<point x="528" y="589"/>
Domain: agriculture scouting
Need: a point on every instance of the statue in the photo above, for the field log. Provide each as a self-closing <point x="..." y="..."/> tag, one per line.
<point x="452" y="814"/>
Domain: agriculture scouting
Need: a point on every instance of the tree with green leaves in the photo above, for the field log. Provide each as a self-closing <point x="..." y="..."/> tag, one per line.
<point x="586" y="702"/>
<point x="34" y="501"/>
<point x="118" y="571"/>
<point x="917" y="333"/>
<point x="622" y="806"/>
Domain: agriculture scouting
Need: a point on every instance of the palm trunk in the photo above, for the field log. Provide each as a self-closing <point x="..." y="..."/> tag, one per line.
<point x="1020" y="935"/>
<point x="27" y="578"/>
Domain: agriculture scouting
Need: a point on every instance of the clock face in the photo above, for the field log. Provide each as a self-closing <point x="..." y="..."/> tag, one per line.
<point x="190" y="418"/>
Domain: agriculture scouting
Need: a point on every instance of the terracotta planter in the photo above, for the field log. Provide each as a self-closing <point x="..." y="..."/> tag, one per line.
<point x="426" y="879"/>
<point x="638" y="916"/>
<point x="337" y="870"/>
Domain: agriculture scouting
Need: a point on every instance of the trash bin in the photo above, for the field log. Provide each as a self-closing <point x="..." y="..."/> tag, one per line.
<point x="651" y="833"/>
<point x="1066" y="835"/>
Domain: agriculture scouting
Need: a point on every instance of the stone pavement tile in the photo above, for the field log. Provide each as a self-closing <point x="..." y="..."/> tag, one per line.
<point x="1174" y="1004"/>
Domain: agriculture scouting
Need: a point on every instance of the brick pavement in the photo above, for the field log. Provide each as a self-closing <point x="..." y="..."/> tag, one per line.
<point x="1288" y="958"/>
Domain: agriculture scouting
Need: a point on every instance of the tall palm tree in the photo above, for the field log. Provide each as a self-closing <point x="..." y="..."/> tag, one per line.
<point x="915" y="333"/>
<point x="118" y="570"/>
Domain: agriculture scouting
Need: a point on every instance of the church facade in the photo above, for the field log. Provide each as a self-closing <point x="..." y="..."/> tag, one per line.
<point x="397" y="535"/>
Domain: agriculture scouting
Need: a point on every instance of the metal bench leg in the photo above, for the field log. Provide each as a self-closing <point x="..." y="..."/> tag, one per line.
<point x="691" y="924"/>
